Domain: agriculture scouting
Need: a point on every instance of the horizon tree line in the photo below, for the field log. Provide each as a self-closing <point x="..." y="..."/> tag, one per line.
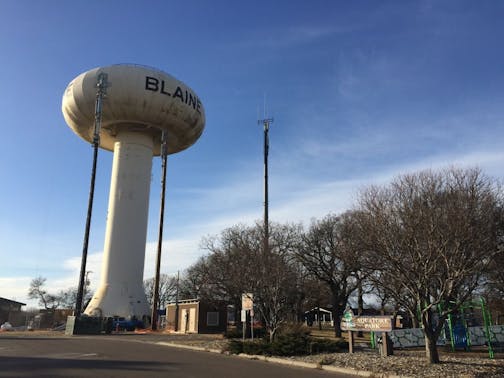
<point x="423" y="244"/>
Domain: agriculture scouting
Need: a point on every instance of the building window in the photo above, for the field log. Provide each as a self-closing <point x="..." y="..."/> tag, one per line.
<point x="212" y="319"/>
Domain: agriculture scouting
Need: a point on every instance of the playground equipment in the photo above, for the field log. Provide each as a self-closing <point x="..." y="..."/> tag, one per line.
<point x="462" y="334"/>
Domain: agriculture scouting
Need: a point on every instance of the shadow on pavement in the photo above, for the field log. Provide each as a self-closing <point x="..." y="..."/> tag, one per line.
<point x="62" y="367"/>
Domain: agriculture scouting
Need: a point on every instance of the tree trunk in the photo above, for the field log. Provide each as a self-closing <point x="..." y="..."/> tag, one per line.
<point x="336" y="319"/>
<point x="431" y="333"/>
<point x="337" y="310"/>
<point x="431" y="350"/>
<point x="360" y="299"/>
<point x="360" y="303"/>
<point x="272" y="335"/>
<point x="414" y="320"/>
<point x="382" y="309"/>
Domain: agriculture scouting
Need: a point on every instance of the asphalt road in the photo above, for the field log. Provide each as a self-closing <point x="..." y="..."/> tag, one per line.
<point x="104" y="356"/>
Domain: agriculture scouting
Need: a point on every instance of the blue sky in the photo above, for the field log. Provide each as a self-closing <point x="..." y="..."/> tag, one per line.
<point x="361" y="91"/>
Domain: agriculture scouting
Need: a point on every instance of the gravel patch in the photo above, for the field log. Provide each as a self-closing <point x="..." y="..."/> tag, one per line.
<point x="407" y="364"/>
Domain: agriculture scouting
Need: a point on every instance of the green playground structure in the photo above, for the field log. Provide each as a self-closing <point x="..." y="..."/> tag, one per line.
<point x="459" y="330"/>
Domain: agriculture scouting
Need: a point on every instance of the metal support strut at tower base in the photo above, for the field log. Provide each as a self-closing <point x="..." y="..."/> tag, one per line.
<point x="101" y="93"/>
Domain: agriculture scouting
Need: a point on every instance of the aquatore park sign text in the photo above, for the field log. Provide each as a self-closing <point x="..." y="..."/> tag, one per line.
<point x="350" y="322"/>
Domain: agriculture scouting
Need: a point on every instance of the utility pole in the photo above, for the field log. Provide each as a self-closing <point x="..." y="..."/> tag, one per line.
<point x="164" y="154"/>
<point x="266" y="123"/>
<point x="177" y="302"/>
<point x="101" y="94"/>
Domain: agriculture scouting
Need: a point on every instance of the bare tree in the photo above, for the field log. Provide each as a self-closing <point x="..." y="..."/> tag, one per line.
<point x="435" y="233"/>
<point x="68" y="297"/>
<point x="167" y="290"/>
<point x="37" y="291"/>
<point x="271" y="290"/>
<point x="493" y="286"/>
<point x="238" y="264"/>
<point x="228" y="271"/>
<point x="391" y="295"/>
<point x="308" y="293"/>
<point x="193" y="283"/>
<point x="274" y="281"/>
<point x="494" y="277"/>
<point x="63" y="299"/>
<point x="316" y="294"/>
<point x="327" y="252"/>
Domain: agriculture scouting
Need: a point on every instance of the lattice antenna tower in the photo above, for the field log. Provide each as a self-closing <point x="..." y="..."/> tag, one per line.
<point x="266" y="124"/>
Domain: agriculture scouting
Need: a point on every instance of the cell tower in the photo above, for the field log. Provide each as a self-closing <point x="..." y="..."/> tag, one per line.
<point x="266" y="124"/>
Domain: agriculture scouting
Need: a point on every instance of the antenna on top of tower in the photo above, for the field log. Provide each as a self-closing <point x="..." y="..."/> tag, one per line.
<point x="264" y="105"/>
<point x="265" y="121"/>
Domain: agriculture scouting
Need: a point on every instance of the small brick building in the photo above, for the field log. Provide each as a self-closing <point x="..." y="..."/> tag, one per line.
<point x="195" y="316"/>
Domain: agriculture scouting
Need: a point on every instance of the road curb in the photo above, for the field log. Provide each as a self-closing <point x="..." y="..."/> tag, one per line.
<point x="360" y="373"/>
<point x="282" y="361"/>
<point x="191" y="347"/>
<point x="276" y="360"/>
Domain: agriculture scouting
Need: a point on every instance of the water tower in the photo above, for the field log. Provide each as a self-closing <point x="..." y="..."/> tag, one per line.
<point x="141" y="104"/>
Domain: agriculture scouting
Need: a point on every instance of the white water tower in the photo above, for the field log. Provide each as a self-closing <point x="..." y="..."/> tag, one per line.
<point x="141" y="103"/>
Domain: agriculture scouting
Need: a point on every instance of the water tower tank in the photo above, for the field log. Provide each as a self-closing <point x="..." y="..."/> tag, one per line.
<point x="141" y="102"/>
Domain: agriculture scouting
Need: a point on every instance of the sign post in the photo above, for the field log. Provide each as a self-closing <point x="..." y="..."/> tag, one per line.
<point x="386" y="349"/>
<point x="252" y="324"/>
<point x="350" y="341"/>
<point x="244" y="322"/>
<point x="247" y="305"/>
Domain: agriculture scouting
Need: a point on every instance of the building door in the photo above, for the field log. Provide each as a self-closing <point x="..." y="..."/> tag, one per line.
<point x="183" y="321"/>
<point x="192" y="320"/>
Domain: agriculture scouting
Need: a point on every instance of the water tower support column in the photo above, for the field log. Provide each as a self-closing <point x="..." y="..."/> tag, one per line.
<point x="121" y="290"/>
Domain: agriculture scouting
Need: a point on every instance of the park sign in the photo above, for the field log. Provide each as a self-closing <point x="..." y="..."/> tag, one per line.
<point x="350" y="322"/>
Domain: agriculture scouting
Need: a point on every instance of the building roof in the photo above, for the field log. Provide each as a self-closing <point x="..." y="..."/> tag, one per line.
<point x="11" y="301"/>
<point x="315" y="309"/>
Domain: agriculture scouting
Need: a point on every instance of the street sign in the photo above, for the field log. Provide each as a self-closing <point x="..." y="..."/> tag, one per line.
<point x="247" y="301"/>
